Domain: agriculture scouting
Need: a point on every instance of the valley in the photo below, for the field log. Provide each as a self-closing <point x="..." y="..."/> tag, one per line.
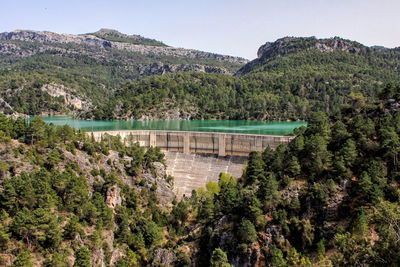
<point x="161" y="156"/>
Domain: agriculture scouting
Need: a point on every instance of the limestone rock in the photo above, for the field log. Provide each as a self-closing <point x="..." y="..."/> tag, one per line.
<point x="164" y="189"/>
<point x="113" y="196"/>
<point x="59" y="90"/>
<point x="163" y="257"/>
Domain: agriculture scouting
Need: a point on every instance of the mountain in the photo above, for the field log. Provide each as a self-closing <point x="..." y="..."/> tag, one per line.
<point x="292" y="45"/>
<point x="64" y="73"/>
<point x="291" y="78"/>
<point x="110" y="75"/>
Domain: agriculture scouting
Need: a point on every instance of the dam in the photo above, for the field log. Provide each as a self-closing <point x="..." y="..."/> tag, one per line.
<point x="216" y="143"/>
<point x="195" y="158"/>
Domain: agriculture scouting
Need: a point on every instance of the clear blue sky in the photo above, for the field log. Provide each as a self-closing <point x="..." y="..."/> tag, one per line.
<point x="230" y="27"/>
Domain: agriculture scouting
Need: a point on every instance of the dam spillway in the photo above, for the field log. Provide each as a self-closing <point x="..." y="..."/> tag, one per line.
<point x="195" y="158"/>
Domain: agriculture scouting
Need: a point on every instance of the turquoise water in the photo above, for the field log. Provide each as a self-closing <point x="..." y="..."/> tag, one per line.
<point x="228" y="126"/>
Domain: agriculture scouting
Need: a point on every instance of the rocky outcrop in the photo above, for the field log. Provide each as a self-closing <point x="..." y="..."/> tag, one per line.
<point x="290" y="45"/>
<point x="163" y="257"/>
<point x="113" y="196"/>
<point x="8" y="110"/>
<point x="51" y="37"/>
<point x="157" y="179"/>
<point x="57" y="90"/>
<point x="165" y="114"/>
<point x="160" y="68"/>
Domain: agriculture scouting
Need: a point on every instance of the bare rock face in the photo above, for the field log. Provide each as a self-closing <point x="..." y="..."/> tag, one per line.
<point x="163" y="188"/>
<point x="97" y="258"/>
<point x="51" y="37"/>
<point x="113" y="196"/>
<point x="59" y="90"/>
<point x="272" y="232"/>
<point x="163" y="257"/>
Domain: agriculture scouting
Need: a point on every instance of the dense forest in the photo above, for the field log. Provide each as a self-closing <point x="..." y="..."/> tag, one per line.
<point x="331" y="197"/>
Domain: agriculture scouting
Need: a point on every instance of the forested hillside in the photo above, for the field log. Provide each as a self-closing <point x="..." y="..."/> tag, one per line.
<point x="291" y="78"/>
<point x="110" y="75"/>
<point x="85" y="70"/>
<point x="331" y="197"/>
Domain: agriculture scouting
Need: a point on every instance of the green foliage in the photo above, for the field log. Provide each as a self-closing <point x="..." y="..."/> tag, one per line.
<point x="219" y="259"/>
<point x="72" y="228"/>
<point x="226" y="178"/>
<point x="247" y="233"/>
<point x="213" y="188"/>
<point x="23" y="260"/>
<point x="321" y="249"/>
<point x="4" y="238"/>
<point x="277" y="258"/>
<point x="82" y="257"/>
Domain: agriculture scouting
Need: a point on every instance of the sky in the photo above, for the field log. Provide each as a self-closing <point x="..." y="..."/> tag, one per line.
<point x="229" y="27"/>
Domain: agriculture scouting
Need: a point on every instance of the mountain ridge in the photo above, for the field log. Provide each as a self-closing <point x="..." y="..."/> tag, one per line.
<point x="93" y="39"/>
<point x="289" y="45"/>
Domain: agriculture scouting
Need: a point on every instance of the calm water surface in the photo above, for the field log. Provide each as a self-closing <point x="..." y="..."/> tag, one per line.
<point x="228" y="126"/>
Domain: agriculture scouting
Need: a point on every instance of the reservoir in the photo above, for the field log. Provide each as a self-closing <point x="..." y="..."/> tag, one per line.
<point x="227" y="126"/>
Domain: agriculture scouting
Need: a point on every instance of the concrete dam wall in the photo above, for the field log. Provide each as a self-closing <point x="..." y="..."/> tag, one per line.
<point x="196" y="170"/>
<point x="221" y="144"/>
<point x="195" y="158"/>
